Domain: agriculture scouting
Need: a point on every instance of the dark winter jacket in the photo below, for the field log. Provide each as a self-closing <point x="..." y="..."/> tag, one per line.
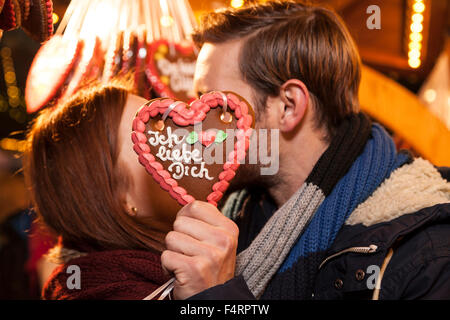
<point x="409" y="256"/>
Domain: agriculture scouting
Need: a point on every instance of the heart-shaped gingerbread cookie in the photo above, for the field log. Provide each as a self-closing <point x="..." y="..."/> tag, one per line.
<point x="171" y="69"/>
<point x="193" y="150"/>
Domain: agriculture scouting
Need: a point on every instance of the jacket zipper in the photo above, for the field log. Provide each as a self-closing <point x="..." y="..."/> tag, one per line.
<point x="370" y="249"/>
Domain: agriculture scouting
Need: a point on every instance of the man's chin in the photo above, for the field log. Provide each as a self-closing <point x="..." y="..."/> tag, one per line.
<point x="247" y="176"/>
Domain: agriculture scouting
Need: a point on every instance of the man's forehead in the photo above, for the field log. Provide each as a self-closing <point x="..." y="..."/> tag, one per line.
<point x="212" y="52"/>
<point x="216" y="63"/>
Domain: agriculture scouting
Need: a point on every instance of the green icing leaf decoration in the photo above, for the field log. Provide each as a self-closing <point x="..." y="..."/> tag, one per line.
<point x="220" y="136"/>
<point x="192" y="137"/>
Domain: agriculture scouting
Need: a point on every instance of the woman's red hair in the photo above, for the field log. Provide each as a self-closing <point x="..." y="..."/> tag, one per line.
<point x="72" y="171"/>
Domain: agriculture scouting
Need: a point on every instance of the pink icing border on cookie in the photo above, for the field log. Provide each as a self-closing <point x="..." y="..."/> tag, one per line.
<point x="183" y="115"/>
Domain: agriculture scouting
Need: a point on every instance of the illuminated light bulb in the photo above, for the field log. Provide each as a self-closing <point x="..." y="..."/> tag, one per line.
<point x="166" y="21"/>
<point x="142" y="53"/>
<point x="414" y="54"/>
<point x="4" y="144"/>
<point x="416" y="37"/>
<point x="10" y="77"/>
<point x="55" y="18"/>
<point x="415" y="46"/>
<point x="414" y="63"/>
<point x="430" y="95"/>
<point x="237" y="3"/>
<point x="419" y="7"/>
<point x="14" y="102"/>
<point x="13" y="92"/>
<point x="416" y="27"/>
<point x="12" y="144"/>
<point x="417" y="18"/>
<point x="6" y="52"/>
<point x="7" y="64"/>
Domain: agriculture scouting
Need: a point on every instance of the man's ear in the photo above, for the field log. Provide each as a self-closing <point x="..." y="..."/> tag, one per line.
<point x="295" y="98"/>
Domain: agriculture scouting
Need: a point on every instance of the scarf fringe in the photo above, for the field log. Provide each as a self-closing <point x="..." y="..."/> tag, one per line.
<point x="60" y="255"/>
<point x="261" y="260"/>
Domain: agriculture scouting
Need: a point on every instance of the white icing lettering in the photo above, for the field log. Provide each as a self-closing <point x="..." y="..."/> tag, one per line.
<point x="203" y="172"/>
<point x="169" y="150"/>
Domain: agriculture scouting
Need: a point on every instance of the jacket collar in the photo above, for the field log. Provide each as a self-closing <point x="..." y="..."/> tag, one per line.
<point x="415" y="195"/>
<point x="384" y="234"/>
<point x="388" y="214"/>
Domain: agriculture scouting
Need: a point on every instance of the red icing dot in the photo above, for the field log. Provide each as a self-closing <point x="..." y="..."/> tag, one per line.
<point x="227" y="175"/>
<point x="232" y="156"/>
<point x="180" y="191"/>
<point x="143" y="162"/>
<point x="134" y="137"/>
<point x="148" y="157"/>
<point x="180" y="120"/>
<point x="215" y="196"/>
<point x="233" y="98"/>
<point x="156" y="165"/>
<point x="231" y="165"/>
<point x="248" y="120"/>
<point x="240" y="155"/>
<point x="164" y="174"/>
<point x="139" y="125"/>
<point x="220" y="186"/>
<point x="238" y="112"/>
<point x="244" y="108"/>
<point x="171" y="182"/>
<point x="144" y="147"/>
<point x="140" y="137"/>
<point x="232" y="105"/>
<point x="144" y="116"/>
<point x="137" y="149"/>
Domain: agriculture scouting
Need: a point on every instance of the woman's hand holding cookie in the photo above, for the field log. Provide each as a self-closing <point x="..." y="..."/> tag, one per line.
<point x="201" y="249"/>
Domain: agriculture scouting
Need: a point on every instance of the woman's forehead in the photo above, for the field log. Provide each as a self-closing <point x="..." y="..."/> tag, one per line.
<point x="132" y="105"/>
<point x="135" y="101"/>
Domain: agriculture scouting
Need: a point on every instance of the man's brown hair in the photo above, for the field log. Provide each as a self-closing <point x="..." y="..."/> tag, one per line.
<point x="292" y="40"/>
<point x="71" y="167"/>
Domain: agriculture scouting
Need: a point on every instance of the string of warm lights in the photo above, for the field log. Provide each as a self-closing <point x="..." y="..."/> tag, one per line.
<point x="415" y="36"/>
<point x="237" y="3"/>
<point x="11" y="144"/>
<point x="15" y="99"/>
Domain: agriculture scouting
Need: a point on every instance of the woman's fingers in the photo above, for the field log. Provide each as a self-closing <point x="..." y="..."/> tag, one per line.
<point x="187" y="245"/>
<point x="201" y="251"/>
<point x="209" y="214"/>
<point x="197" y="229"/>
